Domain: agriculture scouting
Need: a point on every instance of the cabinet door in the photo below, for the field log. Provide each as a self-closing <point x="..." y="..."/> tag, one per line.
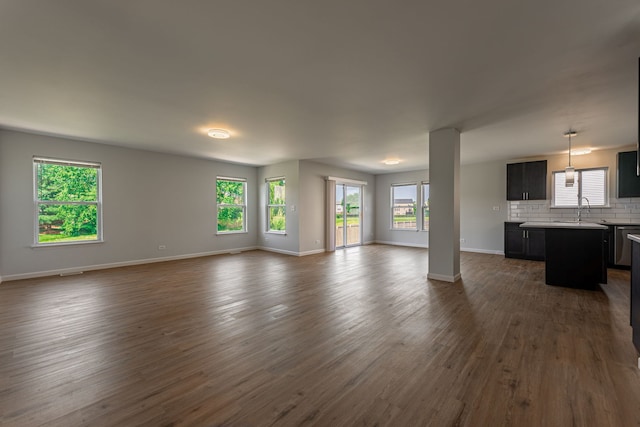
<point x="535" y="244"/>
<point x="628" y="181"/>
<point x="535" y="180"/>
<point x="515" y="181"/>
<point x="635" y="294"/>
<point x="514" y="240"/>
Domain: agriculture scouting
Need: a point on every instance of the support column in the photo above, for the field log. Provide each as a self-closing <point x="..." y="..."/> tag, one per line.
<point x="444" y="205"/>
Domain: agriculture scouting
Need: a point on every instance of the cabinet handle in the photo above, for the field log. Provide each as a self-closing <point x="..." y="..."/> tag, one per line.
<point x="523" y="197"/>
<point x="524" y="234"/>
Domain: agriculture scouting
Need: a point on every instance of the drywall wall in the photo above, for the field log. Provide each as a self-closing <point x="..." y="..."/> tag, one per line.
<point x="383" y="231"/>
<point x="483" y="207"/>
<point x="149" y="199"/>
<point x="312" y="211"/>
<point x="288" y="242"/>
<point x="482" y="187"/>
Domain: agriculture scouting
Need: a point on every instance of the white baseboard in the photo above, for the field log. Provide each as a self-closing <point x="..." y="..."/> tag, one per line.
<point x="444" y="277"/>
<point x="426" y="246"/>
<point x="311" y="252"/>
<point x="120" y="264"/>
<point x="292" y="253"/>
<point x="482" y="251"/>
<point x="411" y="245"/>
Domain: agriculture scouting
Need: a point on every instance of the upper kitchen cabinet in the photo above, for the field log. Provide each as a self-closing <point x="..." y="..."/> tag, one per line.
<point x="527" y="181"/>
<point x="628" y="180"/>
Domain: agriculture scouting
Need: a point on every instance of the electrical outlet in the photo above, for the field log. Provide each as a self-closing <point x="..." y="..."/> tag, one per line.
<point x="496" y="208"/>
<point x="463" y="240"/>
<point x="162" y="247"/>
<point x="317" y="242"/>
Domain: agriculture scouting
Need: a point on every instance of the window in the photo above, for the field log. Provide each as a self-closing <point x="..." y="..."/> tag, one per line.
<point x="231" y="196"/>
<point x="425" y="206"/>
<point x="589" y="183"/>
<point x="403" y="206"/>
<point x="67" y="201"/>
<point x="276" y="207"/>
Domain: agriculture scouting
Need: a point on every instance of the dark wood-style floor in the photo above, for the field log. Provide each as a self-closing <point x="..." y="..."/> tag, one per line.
<point x="355" y="337"/>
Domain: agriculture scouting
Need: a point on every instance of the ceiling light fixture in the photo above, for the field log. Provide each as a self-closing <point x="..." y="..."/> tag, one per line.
<point x="580" y="151"/>
<point x="391" y="161"/>
<point x="218" y="133"/>
<point x="569" y="171"/>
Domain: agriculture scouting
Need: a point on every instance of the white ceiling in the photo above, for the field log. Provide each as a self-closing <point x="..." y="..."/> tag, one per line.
<point x="347" y="82"/>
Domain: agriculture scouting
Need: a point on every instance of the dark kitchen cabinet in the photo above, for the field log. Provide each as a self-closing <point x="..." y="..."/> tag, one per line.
<point x="527" y="180"/>
<point x="523" y="243"/>
<point x="635" y="294"/>
<point x="628" y="180"/>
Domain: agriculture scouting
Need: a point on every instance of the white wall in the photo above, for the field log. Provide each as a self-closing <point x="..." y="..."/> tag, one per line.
<point x="383" y="231"/>
<point x="149" y="199"/>
<point x="483" y="187"/>
<point x="313" y="200"/>
<point x="289" y="242"/>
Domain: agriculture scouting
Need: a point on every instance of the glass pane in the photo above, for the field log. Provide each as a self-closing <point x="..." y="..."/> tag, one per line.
<point x="67" y="223"/>
<point x="425" y="207"/>
<point x="277" y="219"/>
<point x="230" y="219"/>
<point x="594" y="184"/>
<point x="404" y="206"/>
<point x="230" y="192"/>
<point x="563" y="195"/>
<point x="277" y="192"/>
<point x="340" y="216"/>
<point x="352" y="211"/>
<point x="67" y="183"/>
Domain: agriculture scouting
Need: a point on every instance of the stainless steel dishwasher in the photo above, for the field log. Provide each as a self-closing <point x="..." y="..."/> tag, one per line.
<point x="623" y="245"/>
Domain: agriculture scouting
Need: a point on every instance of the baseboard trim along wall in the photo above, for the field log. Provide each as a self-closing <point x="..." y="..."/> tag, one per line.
<point x="482" y="251"/>
<point x="281" y="251"/>
<point x="410" y="245"/>
<point x="443" y="277"/>
<point x="72" y="270"/>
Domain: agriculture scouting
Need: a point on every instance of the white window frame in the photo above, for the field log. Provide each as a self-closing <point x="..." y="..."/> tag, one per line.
<point x="425" y="227"/>
<point x="578" y="204"/>
<point x="36" y="200"/>
<point x="276" y="205"/>
<point x="393" y="205"/>
<point x="243" y="205"/>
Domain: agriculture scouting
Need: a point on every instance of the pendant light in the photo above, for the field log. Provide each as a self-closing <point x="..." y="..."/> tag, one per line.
<point x="569" y="171"/>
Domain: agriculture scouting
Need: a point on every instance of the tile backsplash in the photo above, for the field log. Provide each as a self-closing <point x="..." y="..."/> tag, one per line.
<point x="620" y="211"/>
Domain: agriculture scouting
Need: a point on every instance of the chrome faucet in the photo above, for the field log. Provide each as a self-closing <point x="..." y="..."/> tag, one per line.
<point x="581" y="206"/>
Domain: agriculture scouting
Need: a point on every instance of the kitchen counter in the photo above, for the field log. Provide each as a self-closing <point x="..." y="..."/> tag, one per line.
<point x="565" y="225"/>
<point x="575" y="253"/>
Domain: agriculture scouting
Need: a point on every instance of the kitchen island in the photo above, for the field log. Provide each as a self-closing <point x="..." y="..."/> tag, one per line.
<point x="575" y="253"/>
<point x="635" y="291"/>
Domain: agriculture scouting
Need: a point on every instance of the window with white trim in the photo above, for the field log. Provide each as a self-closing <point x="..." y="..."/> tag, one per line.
<point x="67" y="201"/>
<point x="276" y="205"/>
<point x="425" y="206"/>
<point x="589" y="184"/>
<point x="231" y="197"/>
<point x="404" y="202"/>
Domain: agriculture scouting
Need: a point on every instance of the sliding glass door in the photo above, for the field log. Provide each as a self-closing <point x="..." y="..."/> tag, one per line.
<point x="348" y="215"/>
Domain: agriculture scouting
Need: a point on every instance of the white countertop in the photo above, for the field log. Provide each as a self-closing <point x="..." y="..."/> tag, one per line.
<point x="634" y="237"/>
<point x="567" y="225"/>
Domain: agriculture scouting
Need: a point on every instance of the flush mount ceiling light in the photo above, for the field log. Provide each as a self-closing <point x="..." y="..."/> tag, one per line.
<point x="391" y="161"/>
<point x="580" y="151"/>
<point x="569" y="171"/>
<point x="218" y="133"/>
